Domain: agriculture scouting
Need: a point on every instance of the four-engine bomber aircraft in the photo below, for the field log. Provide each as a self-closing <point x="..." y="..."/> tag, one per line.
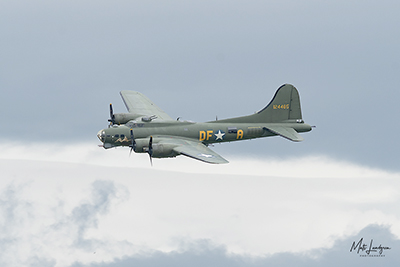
<point x="148" y="129"/>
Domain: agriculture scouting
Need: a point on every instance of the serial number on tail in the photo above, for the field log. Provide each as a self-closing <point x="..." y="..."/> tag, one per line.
<point x="285" y="106"/>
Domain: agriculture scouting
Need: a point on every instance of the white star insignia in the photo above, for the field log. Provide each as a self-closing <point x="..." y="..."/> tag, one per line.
<point x="219" y="135"/>
<point x="205" y="155"/>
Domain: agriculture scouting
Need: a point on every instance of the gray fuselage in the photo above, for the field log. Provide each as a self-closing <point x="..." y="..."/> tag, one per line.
<point x="206" y="132"/>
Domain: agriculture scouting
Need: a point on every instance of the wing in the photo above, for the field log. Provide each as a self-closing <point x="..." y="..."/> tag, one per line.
<point x="140" y="105"/>
<point x="286" y="132"/>
<point x="193" y="149"/>
<point x="199" y="151"/>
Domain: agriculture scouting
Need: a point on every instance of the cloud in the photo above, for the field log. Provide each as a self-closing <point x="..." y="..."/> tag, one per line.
<point x="86" y="215"/>
<point x="44" y="223"/>
<point x="80" y="204"/>
<point x="205" y="253"/>
<point x="316" y="166"/>
<point x="12" y="209"/>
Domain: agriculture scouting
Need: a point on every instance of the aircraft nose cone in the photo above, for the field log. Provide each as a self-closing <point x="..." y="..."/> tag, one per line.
<point x="101" y="135"/>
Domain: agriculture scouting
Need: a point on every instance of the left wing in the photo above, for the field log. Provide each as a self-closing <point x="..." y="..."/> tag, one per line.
<point x="140" y="105"/>
<point x="194" y="149"/>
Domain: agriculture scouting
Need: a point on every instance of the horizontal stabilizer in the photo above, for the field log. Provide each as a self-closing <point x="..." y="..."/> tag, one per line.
<point x="285" y="132"/>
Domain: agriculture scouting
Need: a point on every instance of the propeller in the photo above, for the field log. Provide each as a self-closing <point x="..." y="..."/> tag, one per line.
<point x="112" y="117"/>
<point x="150" y="150"/>
<point x="133" y="145"/>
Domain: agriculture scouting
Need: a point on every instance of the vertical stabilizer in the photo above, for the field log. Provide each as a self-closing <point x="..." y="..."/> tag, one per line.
<point x="284" y="106"/>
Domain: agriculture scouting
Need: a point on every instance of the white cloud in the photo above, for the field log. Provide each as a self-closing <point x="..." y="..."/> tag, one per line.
<point x="63" y="203"/>
<point x="307" y="167"/>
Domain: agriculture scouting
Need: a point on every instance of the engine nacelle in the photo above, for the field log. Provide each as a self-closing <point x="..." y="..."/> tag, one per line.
<point x="159" y="150"/>
<point x="122" y="118"/>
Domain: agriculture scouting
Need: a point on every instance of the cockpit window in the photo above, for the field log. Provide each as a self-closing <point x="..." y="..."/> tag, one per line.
<point x="122" y="136"/>
<point x="117" y="135"/>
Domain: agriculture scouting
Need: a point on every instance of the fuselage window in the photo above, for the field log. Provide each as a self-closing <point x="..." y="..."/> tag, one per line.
<point x="116" y="136"/>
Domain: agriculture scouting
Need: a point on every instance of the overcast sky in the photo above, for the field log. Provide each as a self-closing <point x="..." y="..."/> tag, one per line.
<point x="63" y="62"/>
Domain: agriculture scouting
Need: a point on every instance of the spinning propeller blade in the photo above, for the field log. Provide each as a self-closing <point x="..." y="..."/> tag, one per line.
<point x="133" y="145"/>
<point x="150" y="151"/>
<point x="112" y="117"/>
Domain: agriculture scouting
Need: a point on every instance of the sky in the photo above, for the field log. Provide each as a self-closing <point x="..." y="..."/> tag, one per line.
<point x="66" y="202"/>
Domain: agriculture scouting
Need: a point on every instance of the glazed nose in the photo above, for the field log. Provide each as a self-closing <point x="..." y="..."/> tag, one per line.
<point x="101" y="135"/>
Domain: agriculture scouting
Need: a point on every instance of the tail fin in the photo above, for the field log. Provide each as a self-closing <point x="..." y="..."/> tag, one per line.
<point x="284" y="106"/>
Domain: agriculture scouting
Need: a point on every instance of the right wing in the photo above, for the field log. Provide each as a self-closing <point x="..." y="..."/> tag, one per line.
<point x="200" y="152"/>
<point x="193" y="149"/>
<point x="140" y="105"/>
